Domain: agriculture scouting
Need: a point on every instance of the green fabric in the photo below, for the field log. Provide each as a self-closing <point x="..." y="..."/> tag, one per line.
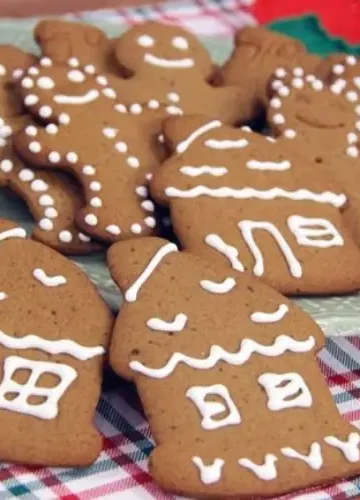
<point x="309" y="30"/>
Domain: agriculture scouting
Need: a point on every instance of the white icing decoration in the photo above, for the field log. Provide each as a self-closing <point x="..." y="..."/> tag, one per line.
<point x="89" y="96"/>
<point x="3" y="296"/>
<point x="278" y="119"/>
<point x="6" y="165"/>
<point x="31" y="99"/>
<point x="283" y="91"/>
<point x="45" y="82"/>
<point x="121" y="147"/>
<point x="46" y="200"/>
<point x="150" y="222"/>
<point x="153" y="104"/>
<point x="135" y="108"/>
<point x="64" y="119"/>
<point x="168" y="63"/>
<point x="285" y="390"/>
<point x="275" y="103"/>
<point x="33" y="71"/>
<point x="91" y="219"/>
<point x="324" y="235"/>
<point x="230" y="252"/>
<point x="45" y="111"/>
<point x="281" y="344"/>
<point x="76" y="76"/>
<point x="35" y="147"/>
<point x="203" y="169"/>
<point x="74" y="62"/>
<point x="145" y="41"/>
<point x="352" y="96"/>
<point x="349" y="448"/>
<point x="51" y="212"/>
<point x="133" y="162"/>
<point x="268" y="165"/>
<point x="31" y="131"/>
<point x="213" y="287"/>
<point x="174" y="110"/>
<point x="110" y="93"/>
<point x="289" y="133"/>
<point x="3" y="70"/>
<point x="180" y="42"/>
<point x="63" y="346"/>
<point x="314" y="459"/>
<point x="173" y="96"/>
<point x="46" y="224"/>
<point x="120" y="108"/>
<point x="39" y="185"/>
<point x="263" y="317"/>
<point x="280" y="73"/>
<point x="52" y="129"/>
<point x="132" y="292"/>
<point x="113" y="229"/>
<point x="46" y="62"/>
<point x="297" y="83"/>
<point x="211" y="473"/>
<point x="266" y="471"/>
<point x="177" y="325"/>
<point x="148" y="205"/>
<point x="338" y="69"/>
<point x="210" y="409"/>
<point x="109" y="132"/>
<point x="88" y="170"/>
<point x="84" y="238"/>
<point x="184" y="145"/>
<point x="338" y="86"/>
<point x="72" y="157"/>
<point x="15" y="232"/>
<point x="50" y="281"/>
<point x="141" y="191"/>
<point x="90" y="69"/>
<point x="46" y="410"/>
<point x="54" y="157"/>
<point x="102" y="80"/>
<point x="96" y="202"/>
<point x="352" y="151"/>
<point x="226" y="144"/>
<point x="135" y="228"/>
<point x="95" y="186"/>
<point x="65" y="236"/>
<point x="27" y="83"/>
<point x="26" y="175"/>
<point x="351" y="60"/>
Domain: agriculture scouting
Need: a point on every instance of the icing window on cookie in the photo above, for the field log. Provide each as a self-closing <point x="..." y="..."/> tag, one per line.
<point x="223" y="287"/>
<point x="230" y="252"/>
<point x="50" y="281"/>
<point x="215" y="414"/>
<point x="274" y="317"/>
<point x="210" y="473"/>
<point x="313" y="459"/>
<point x="287" y="390"/>
<point x="160" y="325"/>
<point x="349" y="448"/>
<point x="247" y="228"/>
<point x="89" y="96"/>
<point x="314" y="232"/>
<point x="47" y="409"/>
<point x="265" y="471"/>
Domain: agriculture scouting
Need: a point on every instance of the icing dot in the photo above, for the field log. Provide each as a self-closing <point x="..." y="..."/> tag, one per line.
<point x="145" y="41"/>
<point x="17" y="73"/>
<point x="133" y="162"/>
<point x="121" y="108"/>
<point x="161" y="138"/>
<point x="148" y="205"/>
<point x="149" y="176"/>
<point x="338" y="69"/>
<point x="75" y="75"/>
<point x="83" y="237"/>
<point x="5" y="131"/>
<point x="135" y="109"/>
<point x="298" y="83"/>
<point x="121" y="147"/>
<point x="351" y="60"/>
<point x="45" y="82"/>
<point x="2" y="70"/>
<point x="46" y="61"/>
<point x="95" y="186"/>
<point x="35" y="147"/>
<point x="72" y="157"/>
<point x="51" y="212"/>
<point x="113" y="229"/>
<point x="51" y="128"/>
<point x="298" y="72"/>
<point x="73" y="62"/>
<point x="280" y="73"/>
<point x="357" y="125"/>
<point x="96" y="202"/>
<point x="279" y="119"/>
<point x="46" y="200"/>
<point x="338" y="86"/>
<point x="65" y="236"/>
<point x="31" y="99"/>
<point x="90" y="69"/>
<point x="64" y="119"/>
<point x="45" y="111"/>
<point x="6" y="165"/>
<point x="54" y="157"/>
<point x="150" y="221"/>
<point x="310" y="78"/>
<point x="352" y="138"/>
<point x="290" y="133"/>
<point x="33" y="71"/>
<point x="283" y="91"/>
<point x="109" y="132"/>
<point x="180" y="42"/>
<point x="39" y="185"/>
<point x="102" y="80"/>
<point x="174" y="110"/>
<point x="173" y="96"/>
<point x="317" y="85"/>
<point x="27" y="83"/>
<point x="357" y="110"/>
<point x="136" y="228"/>
<point x="109" y="92"/>
<point x="352" y="151"/>
<point x="31" y="131"/>
<point x="88" y="170"/>
<point x="46" y="224"/>
<point x="141" y="191"/>
<point x="153" y="104"/>
<point x="351" y="96"/>
<point x="26" y="175"/>
<point x="275" y="102"/>
<point x="270" y="139"/>
<point x="91" y="219"/>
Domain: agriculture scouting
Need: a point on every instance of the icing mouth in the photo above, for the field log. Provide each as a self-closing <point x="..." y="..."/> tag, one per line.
<point x="89" y="96"/>
<point x="168" y="63"/>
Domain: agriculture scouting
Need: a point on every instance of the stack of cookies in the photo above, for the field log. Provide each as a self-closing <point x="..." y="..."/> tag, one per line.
<point x="255" y="166"/>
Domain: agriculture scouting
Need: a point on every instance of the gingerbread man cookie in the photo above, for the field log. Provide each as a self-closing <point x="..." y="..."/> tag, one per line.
<point x="235" y="358"/>
<point x="111" y="152"/>
<point x="54" y="333"/>
<point x="239" y="198"/>
<point x="257" y="53"/>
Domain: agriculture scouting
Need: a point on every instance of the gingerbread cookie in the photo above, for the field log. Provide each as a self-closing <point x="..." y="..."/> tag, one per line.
<point x="257" y="53"/>
<point x="111" y="152"/>
<point x="167" y="67"/>
<point x="315" y="114"/>
<point x="64" y="42"/>
<point x="235" y="359"/>
<point x="239" y="198"/>
<point x="53" y="335"/>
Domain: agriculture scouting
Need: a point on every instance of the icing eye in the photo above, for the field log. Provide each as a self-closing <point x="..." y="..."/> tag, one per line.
<point x="145" y="41"/>
<point x="179" y="42"/>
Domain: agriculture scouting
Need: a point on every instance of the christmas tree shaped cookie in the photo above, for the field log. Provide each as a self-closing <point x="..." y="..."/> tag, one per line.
<point x="54" y="330"/>
<point x="237" y="362"/>
<point x="239" y="198"/>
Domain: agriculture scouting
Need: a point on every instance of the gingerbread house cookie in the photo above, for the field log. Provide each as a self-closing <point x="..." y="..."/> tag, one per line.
<point x="239" y="198"/>
<point x="53" y="335"/>
<point x="236" y="360"/>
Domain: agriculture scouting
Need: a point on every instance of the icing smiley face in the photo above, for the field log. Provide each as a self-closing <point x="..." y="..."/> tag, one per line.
<point x="157" y="47"/>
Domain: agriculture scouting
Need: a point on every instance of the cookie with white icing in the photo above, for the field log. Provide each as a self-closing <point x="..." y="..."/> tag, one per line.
<point x="90" y="133"/>
<point x="254" y="203"/>
<point x="236" y="360"/>
<point x="54" y="330"/>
